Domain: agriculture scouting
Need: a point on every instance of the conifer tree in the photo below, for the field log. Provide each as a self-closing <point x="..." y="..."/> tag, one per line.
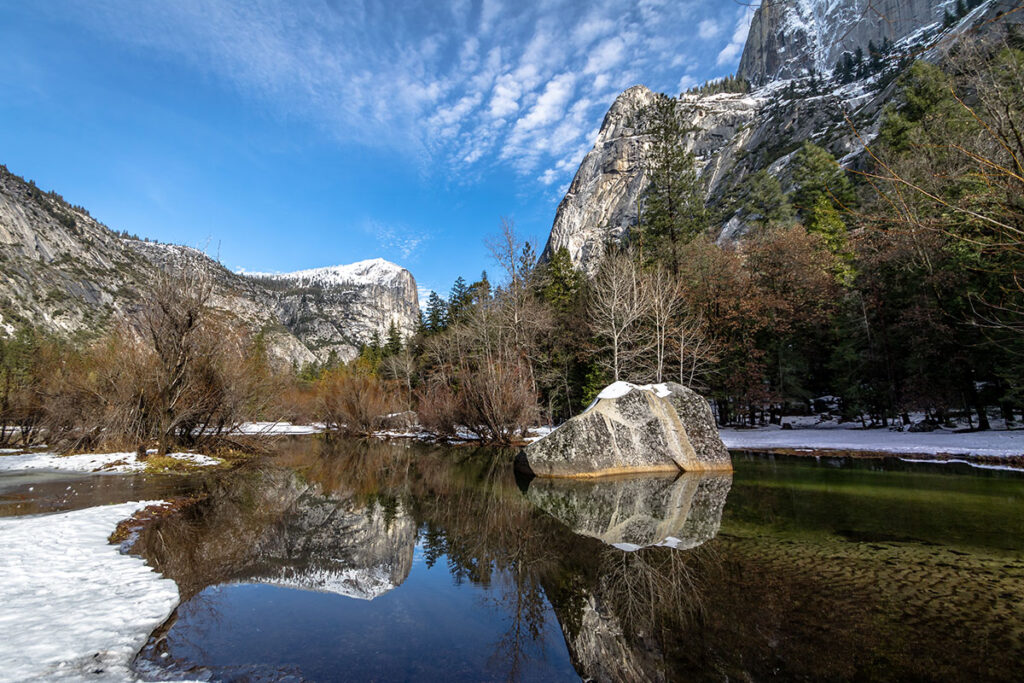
<point x="673" y="210"/>
<point x="437" y="314"/>
<point x="459" y="301"/>
<point x="816" y="173"/>
<point x="764" y="203"/>
<point x="561" y="281"/>
<point x="394" y="344"/>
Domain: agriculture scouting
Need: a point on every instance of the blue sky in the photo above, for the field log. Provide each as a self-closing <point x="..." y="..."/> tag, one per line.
<point x="287" y="135"/>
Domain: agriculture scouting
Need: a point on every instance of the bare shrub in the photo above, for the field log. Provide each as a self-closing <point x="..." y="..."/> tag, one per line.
<point x="352" y="402"/>
<point x="498" y="402"/>
<point x="438" y="408"/>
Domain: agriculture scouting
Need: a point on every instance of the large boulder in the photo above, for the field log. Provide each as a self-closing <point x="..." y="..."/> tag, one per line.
<point x="630" y="428"/>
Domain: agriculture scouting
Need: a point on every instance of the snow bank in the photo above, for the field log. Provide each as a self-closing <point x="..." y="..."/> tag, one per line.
<point x="93" y="462"/>
<point x="989" y="444"/>
<point x="276" y="428"/>
<point x="72" y="607"/>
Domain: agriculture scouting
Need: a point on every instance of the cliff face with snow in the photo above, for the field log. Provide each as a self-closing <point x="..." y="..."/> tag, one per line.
<point x="793" y="38"/>
<point x="735" y="135"/>
<point x="340" y="307"/>
<point x="603" y="200"/>
<point x="64" y="272"/>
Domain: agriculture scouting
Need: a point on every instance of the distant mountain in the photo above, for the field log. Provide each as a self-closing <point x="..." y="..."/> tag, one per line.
<point x="790" y="59"/>
<point x="63" y="271"/>
<point x="339" y="307"/>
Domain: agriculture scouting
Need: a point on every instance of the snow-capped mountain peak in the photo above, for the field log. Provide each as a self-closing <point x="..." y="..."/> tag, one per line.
<point x="378" y="272"/>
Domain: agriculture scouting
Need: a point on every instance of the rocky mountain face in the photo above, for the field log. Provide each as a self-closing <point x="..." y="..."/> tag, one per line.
<point x="735" y="135"/>
<point x="333" y="545"/>
<point x="65" y="272"/>
<point x="340" y="307"/>
<point x="793" y="38"/>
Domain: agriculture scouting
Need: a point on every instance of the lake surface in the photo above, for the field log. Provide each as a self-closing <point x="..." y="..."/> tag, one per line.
<point x="352" y="560"/>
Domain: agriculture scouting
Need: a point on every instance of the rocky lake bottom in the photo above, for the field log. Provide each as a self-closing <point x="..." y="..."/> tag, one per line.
<point x="355" y="560"/>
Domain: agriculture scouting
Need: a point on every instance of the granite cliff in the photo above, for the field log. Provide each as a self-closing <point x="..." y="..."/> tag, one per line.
<point x="789" y="58"/>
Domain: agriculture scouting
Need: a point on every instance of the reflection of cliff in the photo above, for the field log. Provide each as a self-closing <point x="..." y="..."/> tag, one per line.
<point x="274" y="527"/>
<point x="681" y="512"/>
<point x="339" y="547"/>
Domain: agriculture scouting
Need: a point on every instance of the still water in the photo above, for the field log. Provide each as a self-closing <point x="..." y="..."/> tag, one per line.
<point x="352" y="560"/>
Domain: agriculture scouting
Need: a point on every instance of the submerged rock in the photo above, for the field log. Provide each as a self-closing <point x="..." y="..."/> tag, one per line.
<point x="630" y="428"/>
<point x="680" y="512"/>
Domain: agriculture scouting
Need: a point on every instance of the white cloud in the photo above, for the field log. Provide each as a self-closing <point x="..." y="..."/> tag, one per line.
<point x="686" y="82"/>
<point x="732" y="51"/>
<point x="396" y="239"/>
<point x="708" y="29"/>
<point x="450" y="84"/>
<point x="605" y="56"/>
<point x="592" y="29"/>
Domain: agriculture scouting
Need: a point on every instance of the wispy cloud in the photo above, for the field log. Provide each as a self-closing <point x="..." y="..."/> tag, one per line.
<point x="731" y="52"/>
<point x="453" y="83"/>
<point x="397" y="240"/>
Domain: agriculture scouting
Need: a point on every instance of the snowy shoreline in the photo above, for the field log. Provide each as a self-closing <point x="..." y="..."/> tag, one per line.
<point x="114" y="463"/>
<point x="72" y="607"/>
<point x="939" y="444"/>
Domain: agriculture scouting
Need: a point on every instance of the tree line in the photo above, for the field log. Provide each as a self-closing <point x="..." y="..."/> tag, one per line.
<point x="888" y="289"/>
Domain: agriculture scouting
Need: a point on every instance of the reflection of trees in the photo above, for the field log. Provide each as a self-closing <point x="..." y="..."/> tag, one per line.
<point x="753" y="604"/>
<point x="653" y="590"/>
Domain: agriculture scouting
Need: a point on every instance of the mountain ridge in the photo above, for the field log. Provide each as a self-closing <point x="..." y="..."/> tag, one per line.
<point x="67" y="273"/>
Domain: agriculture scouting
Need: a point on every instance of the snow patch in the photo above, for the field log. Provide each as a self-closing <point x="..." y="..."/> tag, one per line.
<point x="989" y="444"/>
<point x="72" y="607"/>
<point x="620" y="389"/>
<point x="378" y="272"/>
<point x="94" y="462"/>
<point x="276" y="428"/>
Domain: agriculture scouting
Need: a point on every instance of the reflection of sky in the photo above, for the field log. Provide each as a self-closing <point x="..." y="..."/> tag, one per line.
<point x="427" y="628"/>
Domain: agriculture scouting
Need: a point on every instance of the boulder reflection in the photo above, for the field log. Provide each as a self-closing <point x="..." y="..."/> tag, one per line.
<point x="680" y="512"/>
<point x="764" y="600"/>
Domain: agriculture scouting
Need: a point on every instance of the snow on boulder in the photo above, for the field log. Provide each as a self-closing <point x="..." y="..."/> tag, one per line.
<point x="631" y="428"/>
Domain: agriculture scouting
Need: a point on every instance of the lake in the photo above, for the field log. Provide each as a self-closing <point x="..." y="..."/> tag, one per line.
<point x="344" y="560"/>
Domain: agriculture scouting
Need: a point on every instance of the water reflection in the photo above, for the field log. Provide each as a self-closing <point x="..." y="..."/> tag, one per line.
<point x="680" y="512"/>
<point x="473" y="579"/>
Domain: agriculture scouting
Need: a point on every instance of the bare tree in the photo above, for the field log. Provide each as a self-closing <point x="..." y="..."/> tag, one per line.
<point x="401" y="367"/>
<point x="664" y="295"/>
<point x="618" y="304"/>
<point x="173" y="321"/>
<point x="697" y="350"/>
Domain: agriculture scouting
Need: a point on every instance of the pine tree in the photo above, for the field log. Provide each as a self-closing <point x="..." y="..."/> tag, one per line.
<point x="394" y="344"/>
<point x="764" y="203"/>
<point x="817" y="173"/>
<point x="481" y="289"/>
<point x="561" y="281"/>
<point x="673" y="206"/>
<point x="459" y="301"/>
<point x="437" y="314"/>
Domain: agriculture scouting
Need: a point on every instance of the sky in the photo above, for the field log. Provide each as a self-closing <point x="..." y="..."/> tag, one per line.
<point x="282" y="135"/>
